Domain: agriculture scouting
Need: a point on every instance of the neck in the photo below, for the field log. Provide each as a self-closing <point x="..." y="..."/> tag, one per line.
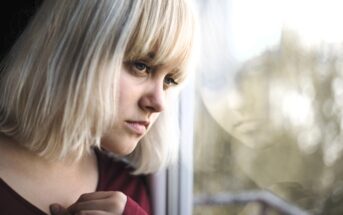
<point x="33" y="176"/>
<point x="14" y="155"/>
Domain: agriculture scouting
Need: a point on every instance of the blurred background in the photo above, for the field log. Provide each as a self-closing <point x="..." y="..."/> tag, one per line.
<point x="269" y="107"/>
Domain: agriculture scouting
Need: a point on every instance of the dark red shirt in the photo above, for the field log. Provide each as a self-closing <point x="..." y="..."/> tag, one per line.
<point x="114" y="175"/>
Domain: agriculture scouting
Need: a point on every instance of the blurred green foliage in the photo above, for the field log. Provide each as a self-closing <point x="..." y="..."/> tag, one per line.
<point x="284" y="133"/>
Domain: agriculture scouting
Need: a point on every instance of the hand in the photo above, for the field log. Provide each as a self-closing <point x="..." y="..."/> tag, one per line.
<point x="97" y="203"/>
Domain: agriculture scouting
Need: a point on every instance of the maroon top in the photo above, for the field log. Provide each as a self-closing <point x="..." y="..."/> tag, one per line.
<point x="114" y="175"/>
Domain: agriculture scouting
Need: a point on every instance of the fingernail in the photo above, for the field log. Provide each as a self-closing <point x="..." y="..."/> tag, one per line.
<point x="55" y="209"/>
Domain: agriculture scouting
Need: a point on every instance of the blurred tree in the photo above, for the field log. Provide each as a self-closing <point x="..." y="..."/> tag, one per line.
<point x="280" y="128"/>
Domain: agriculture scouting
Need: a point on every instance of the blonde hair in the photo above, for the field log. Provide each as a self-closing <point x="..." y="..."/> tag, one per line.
<point x="58" y="83"/>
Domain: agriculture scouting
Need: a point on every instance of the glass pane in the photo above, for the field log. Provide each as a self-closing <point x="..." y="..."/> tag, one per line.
<point x="269" y="109"/>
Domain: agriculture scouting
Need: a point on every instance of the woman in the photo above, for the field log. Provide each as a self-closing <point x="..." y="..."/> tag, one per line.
<point x="83" y="105"/>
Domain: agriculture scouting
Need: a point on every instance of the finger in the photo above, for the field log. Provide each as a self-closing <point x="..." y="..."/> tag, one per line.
<point x="110" y="204"/>
<point x="56" y="209"/>
<point x="95" y="212"/>
<point x="96" y="195"/>
<point x="102" y="205"/>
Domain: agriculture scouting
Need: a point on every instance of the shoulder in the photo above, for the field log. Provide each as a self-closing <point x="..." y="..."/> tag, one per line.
<point x="114" y="171"/>
<point x="116" y="175"/>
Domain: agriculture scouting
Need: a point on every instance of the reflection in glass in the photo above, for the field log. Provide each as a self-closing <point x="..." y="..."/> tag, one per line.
<point x="272" y="118"/>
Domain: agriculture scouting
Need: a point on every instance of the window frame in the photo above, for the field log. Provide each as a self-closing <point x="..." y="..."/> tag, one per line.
<point x="172" y="189"/>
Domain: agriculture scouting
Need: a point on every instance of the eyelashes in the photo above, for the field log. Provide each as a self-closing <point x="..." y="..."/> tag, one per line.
<point x="141" y="66"/>
<point x="143" y="69"/>
<point x="170" y="81"/>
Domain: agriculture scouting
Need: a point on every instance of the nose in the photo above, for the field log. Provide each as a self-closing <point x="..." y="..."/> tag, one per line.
<point x="153" y="99"/>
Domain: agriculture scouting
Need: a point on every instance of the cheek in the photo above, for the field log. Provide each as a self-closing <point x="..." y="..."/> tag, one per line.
<point x="154" y="118"/>
<point x="129" y="91"/>
<point x="126" y="95"/>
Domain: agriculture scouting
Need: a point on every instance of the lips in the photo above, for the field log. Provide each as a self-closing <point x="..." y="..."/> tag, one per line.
<point x="137" y="127"/>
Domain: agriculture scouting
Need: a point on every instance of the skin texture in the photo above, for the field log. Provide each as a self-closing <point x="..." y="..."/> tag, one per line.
<point x="100" y="203"/>
<point x="141" y="99"/>
<point x="142" y="96"/>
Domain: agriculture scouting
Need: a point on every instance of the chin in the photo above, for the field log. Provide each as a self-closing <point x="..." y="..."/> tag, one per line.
<point x="125" y="151"/>
<point x="122" y="149"/>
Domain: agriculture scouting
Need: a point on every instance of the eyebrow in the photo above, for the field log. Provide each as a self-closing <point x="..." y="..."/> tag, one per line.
<point x="151" y="55"/>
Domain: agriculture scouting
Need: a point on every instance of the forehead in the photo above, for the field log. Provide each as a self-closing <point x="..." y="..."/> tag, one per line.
<point x="163" y="34"/>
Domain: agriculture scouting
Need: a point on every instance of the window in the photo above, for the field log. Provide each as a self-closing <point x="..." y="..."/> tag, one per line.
<point x="173" y="188"/>
<point x="268" y="108"/>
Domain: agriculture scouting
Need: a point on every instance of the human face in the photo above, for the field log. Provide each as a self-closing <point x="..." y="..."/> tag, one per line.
<point x="142" y="95"/>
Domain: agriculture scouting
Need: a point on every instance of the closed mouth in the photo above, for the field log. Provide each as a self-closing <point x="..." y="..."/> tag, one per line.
<point x="138" y="127"/>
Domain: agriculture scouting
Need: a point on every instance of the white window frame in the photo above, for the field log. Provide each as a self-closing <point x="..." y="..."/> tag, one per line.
<point x="172" y="189"/>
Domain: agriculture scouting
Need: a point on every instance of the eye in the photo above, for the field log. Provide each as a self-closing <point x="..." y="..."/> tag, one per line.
<point x="169" y="81"/>
<point x="140" y="66"/>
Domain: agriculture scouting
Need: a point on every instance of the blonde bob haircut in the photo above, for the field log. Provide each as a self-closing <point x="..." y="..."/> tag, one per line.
<point x="58" y="83"/>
